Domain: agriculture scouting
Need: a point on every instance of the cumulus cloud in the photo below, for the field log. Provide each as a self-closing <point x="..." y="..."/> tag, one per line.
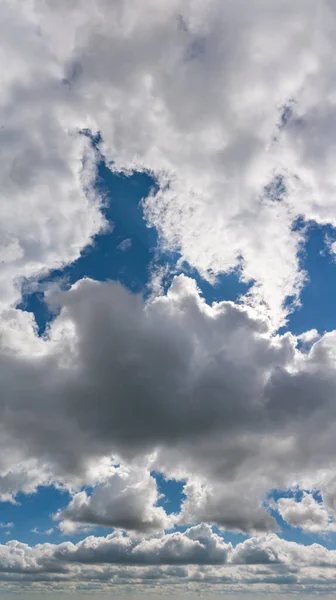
<point x="308" y="514"/>
<point x="196" y="557"/>
<point x="49" y="210"/>
<point x="126" y="500"/>
<point x="197" y="545"/>
<point x="178" y="102"/>
<point x="272" y="550"/>
<point x="130" y="377"/>
<point x="227" y="506"/>
<point x="202" y="393"/>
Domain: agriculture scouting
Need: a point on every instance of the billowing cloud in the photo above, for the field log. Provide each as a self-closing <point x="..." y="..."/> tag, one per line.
<point x="205" y="394"/>
<point x="169" y="89"/>
<point x="198" y="545"/>
<point x="274" y="550"/>
<point x="126" y="500"/>
<point x="197" y="557"/>
<point x="226" y="506"/>
<point x="49" y="210"/>
<point x="308" y="514"/>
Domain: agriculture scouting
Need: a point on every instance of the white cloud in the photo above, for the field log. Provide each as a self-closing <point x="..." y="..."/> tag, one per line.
<point x="198" y="545"/>
<point x="308" y="514"/>
<point x="126" y="244"/>
<point x="45" y="532"/>
<point x="274" y="550"/>
<point x="126" y="500"/>
<point x="188" y="560"/>
<point x="193" y="92"/>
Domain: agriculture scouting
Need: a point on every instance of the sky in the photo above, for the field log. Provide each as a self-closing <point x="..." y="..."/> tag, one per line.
<point x="167" y="299"/>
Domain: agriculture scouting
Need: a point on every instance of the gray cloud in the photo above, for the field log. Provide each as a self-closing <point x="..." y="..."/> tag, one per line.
<point x="207" y="392"/>
<point x="198" y="545"/>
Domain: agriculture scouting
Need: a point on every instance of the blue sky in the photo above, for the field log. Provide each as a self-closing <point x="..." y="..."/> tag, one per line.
<point x="128" y="251"/>
<point x="317" y="298"/>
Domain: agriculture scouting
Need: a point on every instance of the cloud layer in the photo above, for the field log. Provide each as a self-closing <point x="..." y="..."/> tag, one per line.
<point x="194" y="559"/>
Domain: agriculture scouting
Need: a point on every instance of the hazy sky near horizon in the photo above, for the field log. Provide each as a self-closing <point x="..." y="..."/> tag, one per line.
<point x="167" y="298"/>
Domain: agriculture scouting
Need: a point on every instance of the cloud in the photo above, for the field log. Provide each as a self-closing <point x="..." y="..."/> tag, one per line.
<point x="308" y="514"/>
<point x="126" y="244"/>
<point x="274" y="550"/>
<point x="7" y="526"/>
<point x="201" y="393"/>
<point x="50" y="210"/>
<point x="187" y="115"/>
<point x="45" y="532"/>
<point x="126" y="500"/>
<point x="198" y="557"/>
<point x="142" y="393"/>
<point x="227" y="506"/>
<point x="198" y="545"/>
<point x="24" y="476"/>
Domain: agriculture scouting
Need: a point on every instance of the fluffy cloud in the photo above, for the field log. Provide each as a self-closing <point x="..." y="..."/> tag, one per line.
<point x="195" y="558"/>
<point x="202" y="393"/>
<point x="227" y="506"/>
<point x="126" y="500"/>
<point x="274" y="550"/>
<point x="308" y="514"/>
<point x="206" y="96"/>
<point x="49" y="210"/>
<point x="198" y="545"/>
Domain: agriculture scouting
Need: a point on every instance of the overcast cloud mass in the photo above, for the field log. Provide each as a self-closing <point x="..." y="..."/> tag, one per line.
<point x="230" y="107"/>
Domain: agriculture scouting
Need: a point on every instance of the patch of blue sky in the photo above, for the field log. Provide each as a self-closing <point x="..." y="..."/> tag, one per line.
<point x="127" y="252"/>
<point x="317" y="297"/>
<point x="32" y="518"/>
<point x="227" y="286"/>
<point x="317" y="310"/>
<point x="172" y="499"/>
<point x="171" y="492"/>
<point x="34" y="511"/>
<point x="122" y="253"/>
